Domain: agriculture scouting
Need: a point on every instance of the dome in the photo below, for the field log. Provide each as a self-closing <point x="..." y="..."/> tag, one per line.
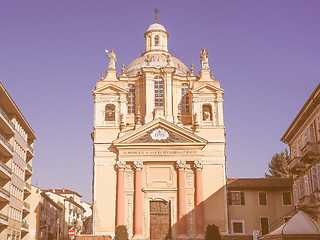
<point x="157" y="60"/>
<point x="156" y="26"/>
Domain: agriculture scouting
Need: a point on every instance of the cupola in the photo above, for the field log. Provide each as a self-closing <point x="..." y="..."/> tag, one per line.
<point x="156" y="38"/>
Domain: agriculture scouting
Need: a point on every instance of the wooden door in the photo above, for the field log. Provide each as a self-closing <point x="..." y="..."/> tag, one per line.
<point x="160" y="220"/>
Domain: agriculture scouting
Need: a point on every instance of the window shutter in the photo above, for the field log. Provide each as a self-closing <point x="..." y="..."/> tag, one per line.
<point x="242" y="198"/>
<point x="295" y="194"/>
<point x="318" y="174"/>
<point x="229" y="198"/>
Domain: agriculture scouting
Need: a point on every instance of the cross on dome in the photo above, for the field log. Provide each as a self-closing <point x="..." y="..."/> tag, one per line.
<point x="156" y="11"/>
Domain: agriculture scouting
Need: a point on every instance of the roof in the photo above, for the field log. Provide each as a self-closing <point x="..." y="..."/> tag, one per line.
<point x="259" y="183"/>
<point x="62" y="191"/>
<point x="300" y="223"/>
<point x="69" y="199"/>
<point x="310" y="105"/>
<point x="44" y="195"/>
<point x="11" y="107"/>
<point x="156" y="26"/>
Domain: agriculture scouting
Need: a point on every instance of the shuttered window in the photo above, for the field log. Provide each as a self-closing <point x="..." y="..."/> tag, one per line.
<point x="236" y="198"/>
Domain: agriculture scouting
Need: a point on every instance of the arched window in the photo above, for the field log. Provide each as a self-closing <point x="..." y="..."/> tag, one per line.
<point x="158" y="92"/>
<point x="156" y="40"/>
<point x="206" y="112"/>
<point x="110" y="112"/>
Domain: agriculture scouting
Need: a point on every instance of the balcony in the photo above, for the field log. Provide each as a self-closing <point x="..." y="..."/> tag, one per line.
<point x="296" y="166"/>
<point x="27" y="190"/>
<point x="4" y="195"/>
<point x="26" y="207"/>
<point x="5" y="147"/>
<point x="25" y="226"/>
<point x="5" y="171"/>
<point x="28" y="169"/>
<point x="30" y="151"/>
<point x="310" y="152"/>
<point x="5" y="123"/>
<point x="3" y="220"/>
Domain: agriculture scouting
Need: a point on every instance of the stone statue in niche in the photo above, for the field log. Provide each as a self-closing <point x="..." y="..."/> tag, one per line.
<point x="204" y="59"/>
<point x="110" y="112"/>
<point x="206" y="113"/>
<point x="112" y="59"/>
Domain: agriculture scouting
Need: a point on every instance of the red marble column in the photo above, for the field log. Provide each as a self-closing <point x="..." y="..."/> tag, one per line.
<point x="120" y="214"/>
<point x="198" y="165"/>
<point x="138" y="199"/>
<point x="182" y="218"/>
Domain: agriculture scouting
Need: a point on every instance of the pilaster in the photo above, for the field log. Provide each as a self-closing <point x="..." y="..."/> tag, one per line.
<point x="120" y="215"/>
<point x="182" y="219"/>
<point x="138" y="200"/>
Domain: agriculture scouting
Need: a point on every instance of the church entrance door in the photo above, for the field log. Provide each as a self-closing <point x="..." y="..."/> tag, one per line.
<point x="160" y="220"/>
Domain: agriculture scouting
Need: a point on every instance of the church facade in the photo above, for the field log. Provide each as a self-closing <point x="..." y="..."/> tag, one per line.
<point x="159" y="164"/>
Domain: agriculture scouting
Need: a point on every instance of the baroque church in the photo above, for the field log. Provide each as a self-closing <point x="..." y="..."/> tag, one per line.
<point x="159" y="164"/>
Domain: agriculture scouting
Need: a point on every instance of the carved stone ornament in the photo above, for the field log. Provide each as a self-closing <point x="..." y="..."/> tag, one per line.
<point x="159" y="135"/>
<point x="137" y="165"/>
<point x="198" y="165"/>
<point x="181" y="165"/>
<point x="120" y="165"/>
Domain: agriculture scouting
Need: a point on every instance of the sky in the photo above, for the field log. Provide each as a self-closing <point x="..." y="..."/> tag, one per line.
<point x="265" y="54"/>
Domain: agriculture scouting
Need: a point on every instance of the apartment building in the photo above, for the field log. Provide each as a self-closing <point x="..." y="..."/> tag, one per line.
<point x="45" y="216"/>
<point x="16" y="153"/>
<point x="258" y="205"/>
<point x="303" y="138"/>
<point x="73" y="211"/>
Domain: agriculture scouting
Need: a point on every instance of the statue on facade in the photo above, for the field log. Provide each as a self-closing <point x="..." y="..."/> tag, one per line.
<point x="204" y="59"/>
<point x="112" y="59"/>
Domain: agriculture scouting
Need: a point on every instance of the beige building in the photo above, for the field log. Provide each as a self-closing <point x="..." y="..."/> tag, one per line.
<point x="45" y="216"/>
<point x="159" y="146"/>
<point x="258" y="205"/>
<point x="72" y="210"/>
<point x="303" y="138"/>
<point x="16" y="153"/>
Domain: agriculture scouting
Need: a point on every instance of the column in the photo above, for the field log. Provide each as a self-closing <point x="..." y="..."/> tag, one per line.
<point x="120" y="217"/>
<point x="182" y="218"/>
<point x="168" y="72"/>
<point x="149" y="94"/>
<point x="198" y="165"/>
<point x="138" y="200"/>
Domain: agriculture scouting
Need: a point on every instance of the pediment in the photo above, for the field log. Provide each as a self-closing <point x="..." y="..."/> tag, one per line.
<point x="207" y="88"/>
<point x="110" y="88"/>
<point x="160" y="132"/>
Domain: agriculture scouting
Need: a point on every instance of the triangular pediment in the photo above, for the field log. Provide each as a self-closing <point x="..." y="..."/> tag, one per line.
<point x="160" y="132"/>
<point x="110" y="88"/>
<point x="207" y="88"/>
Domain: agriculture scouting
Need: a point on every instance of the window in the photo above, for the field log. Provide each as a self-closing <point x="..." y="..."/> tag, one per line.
<point x="237" y="226"/>
<point x="156" y="40"/>
<point x="206" y="112"/>
<point x="305" y="137"/>
<point x="293" y="151"/>
<point x="312" y="133"/>
<point x="299" y="147"/>
<point x="286" y="198"/>
<point x="295" y="190"/>
<point x="158" y="92"/>
<point x="264" y="224"/>
<point x="110" y="112"/>
<point x="131" y="99"/>
<point x="262" y="199"/>
<point x="236" y="198"/>
<point x="314" y="179"/>
<point x="185" y="98"/>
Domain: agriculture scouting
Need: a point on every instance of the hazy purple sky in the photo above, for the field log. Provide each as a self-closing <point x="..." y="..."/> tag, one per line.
<point x="265" y="54"/>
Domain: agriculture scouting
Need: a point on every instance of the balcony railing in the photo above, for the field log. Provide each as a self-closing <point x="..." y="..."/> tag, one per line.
<point x="5" y="141"/>
<point x="28" y="186"/>
<point x="4" y="217"/>
<point x="296" y="165"/>
<point x="5" y="192"/>
<point x="29" y="167"/>
<point x="27" y="205"/>
<point x="5" y="116"/>
<point x="2" y="164"/>
<point x="310" y="151"/>
<point x="31" y="149"/>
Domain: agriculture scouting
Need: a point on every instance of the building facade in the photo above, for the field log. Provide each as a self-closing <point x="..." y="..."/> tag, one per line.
<point x="45" y="216"/>
<point x="16" y="154"/>
<point x="159" y="146"/>
<point x="259" y="205"/>
<point x="303" y="138"/>
<point x="72" y="210"/>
